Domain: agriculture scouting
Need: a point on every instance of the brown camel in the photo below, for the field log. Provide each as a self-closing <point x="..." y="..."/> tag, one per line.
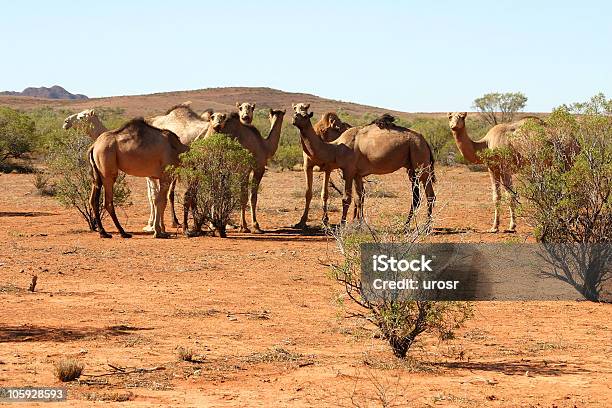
<point x="497" y="137"/>
<point x="246" y="111"/>
<point x="261" y="149"/>
<point x="188" y="126"/>
<point x="86" y="120"/>
<point x="328" y="128"/>
<point x="379" y="148"/>
<point x="137" y="149"/>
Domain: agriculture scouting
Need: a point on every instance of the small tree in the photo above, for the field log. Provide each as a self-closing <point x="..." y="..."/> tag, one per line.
<point x="216" y="171"/>
<point x="400" y="320"/>
<point x="16" y="134"/>
<point x="565" y="175"/>
<point x="495" y="108"/>
<point x="70" y="169"/>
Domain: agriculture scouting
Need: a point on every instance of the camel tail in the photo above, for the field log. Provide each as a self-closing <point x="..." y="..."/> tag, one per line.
<point x="95" y="173"/>
<point x="431" y="165"/>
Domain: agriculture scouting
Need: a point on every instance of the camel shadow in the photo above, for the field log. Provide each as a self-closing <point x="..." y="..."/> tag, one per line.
<point x="309" y="234"/>
<point x="523" y="367"/>
<point x="24" y="214"/>
<point x="450" y="231"/>
<point x="19" y="334"/>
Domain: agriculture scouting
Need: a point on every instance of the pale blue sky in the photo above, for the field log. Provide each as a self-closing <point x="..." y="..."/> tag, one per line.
<point x="409" y="56"/>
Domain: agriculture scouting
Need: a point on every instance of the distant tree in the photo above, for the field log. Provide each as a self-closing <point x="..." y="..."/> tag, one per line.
<point x="16" y="133"/>
<point x="495" y="108"/>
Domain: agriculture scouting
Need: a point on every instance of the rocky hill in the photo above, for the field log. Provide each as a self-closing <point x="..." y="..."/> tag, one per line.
<point x="55" y="92"/>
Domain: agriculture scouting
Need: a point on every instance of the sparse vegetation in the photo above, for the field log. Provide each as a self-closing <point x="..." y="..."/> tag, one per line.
<point x="184" y="353"/>
<point x="400" y="321"/>
<point x="16" y="135"/>
<point x="68" y="370"/>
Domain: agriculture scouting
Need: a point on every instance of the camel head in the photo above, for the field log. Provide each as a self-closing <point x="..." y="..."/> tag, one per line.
<point x="300" y="107"/>
<point x="456" y="120"/>
<point x="207" y="115"/>
<point x="78" y="119"/>
<point x="276" y="114"/>
<point x="245" y="111"/>
<point x="301" y="119"/>
<point x="217" y="121"/>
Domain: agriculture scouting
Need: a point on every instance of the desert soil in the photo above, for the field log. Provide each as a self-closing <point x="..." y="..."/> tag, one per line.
<point x="261" y="314"/>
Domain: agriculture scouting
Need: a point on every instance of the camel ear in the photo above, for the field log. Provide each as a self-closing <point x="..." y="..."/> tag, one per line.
<point x="310" y="114"/>
<point x="237" y="105"/>
<point x="450" y="115"/>
<point x="307" y="106"/>
<point x="462" y="115"/>
<point x="284" y="111"/>
<point x="254" y="106"/>
<point x="292" y="105"/>
<point x="271" y="111"/>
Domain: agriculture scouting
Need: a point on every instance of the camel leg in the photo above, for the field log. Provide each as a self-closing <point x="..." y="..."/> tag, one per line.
<point x="175" y="221"/>
<point x="244" y="198"/>
<point x="427" y="181"/>
<point x="324" y="195"/>
<point x="94" y="201"/>
<point x="507" y="181"/>
<point x="307" y="195"/>
<point x="110" y="207"/>
<point x="257" y="176"/>
<point x="346" y="198"/>
<point x="495" y="181"/>
<point x="358" y="212"/>
<point x="161" y="200"/>
<point x="416" y="196"/>
<point x="151" y="196"/>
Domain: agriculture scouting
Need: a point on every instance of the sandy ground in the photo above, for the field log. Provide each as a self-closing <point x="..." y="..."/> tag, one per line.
<point x="261" y="314"/>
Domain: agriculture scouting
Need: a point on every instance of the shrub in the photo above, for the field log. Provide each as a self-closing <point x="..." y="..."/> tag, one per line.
<point x="215" y="169"/>
<point x="565" y="175"/>
<point x="69" y="166"/>
<point x="43" y="184"/>
<point x="400" y="321"/>
<point x="68" y="370"/>
<point x="438" y="135"/>
<point x="16" y="134"/>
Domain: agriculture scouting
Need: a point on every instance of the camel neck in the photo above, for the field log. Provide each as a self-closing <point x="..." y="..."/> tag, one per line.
<point x="466" y="146"/>
<point x="273" y="138"/>
<point x="96" y="128"/>
<point x="316" y="147"/>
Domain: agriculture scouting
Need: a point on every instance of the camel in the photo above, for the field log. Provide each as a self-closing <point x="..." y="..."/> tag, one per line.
<point x="137" y="149"/>
<point x="188" y="126"/>
<point x="497" y="137"/>
<point x="328" y="128"/>
<point x="87" y="120"/>
<point x="245" y="111"/>
<point x="379" y="148"/>
<point x="261" y="149"/>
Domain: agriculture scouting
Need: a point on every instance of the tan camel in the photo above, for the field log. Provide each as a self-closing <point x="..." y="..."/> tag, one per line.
<point x="261" y="149"/>
<point x="328" y="128"/>
<point x="137" y="149"/>
<point x="188" y="126"/>
<point x="378" y="148"/>
<point x="497" y="137"/>
<point x="86" y="120"/>
<point x="246" y="111"/>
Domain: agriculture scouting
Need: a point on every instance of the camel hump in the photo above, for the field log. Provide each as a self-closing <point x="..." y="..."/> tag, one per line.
<point x="387" y="121"/>
<point x="136" y="124"/>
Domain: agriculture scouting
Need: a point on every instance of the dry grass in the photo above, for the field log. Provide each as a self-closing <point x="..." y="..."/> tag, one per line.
<point x="185" y="354"/>
<point x="68" y="370"/>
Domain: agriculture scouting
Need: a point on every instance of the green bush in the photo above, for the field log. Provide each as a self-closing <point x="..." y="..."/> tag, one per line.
<point x="70" y="169"/>
<point x="215" y="170"/>
<point x="16" y="134"/>
<point x="288" y="156"/>
<point x="438" y="135"/>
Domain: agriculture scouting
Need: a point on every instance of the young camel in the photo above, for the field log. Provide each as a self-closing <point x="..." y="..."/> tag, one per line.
<point x="328" y="129"/>
<point x="137" y="149"/>
<point x="87" y="120"/>
<point x="188" y="126"/>
<point x="496" y="137"/>
<point x="379" y="148"/>
<point x="261" y="149"/>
